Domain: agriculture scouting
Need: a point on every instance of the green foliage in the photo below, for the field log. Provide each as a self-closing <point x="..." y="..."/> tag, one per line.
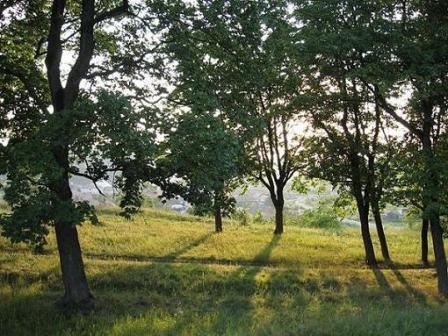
<point x="325" y="216"/>
<point x="238" y="59"/>
<point x="322" y="217"/>
<point x="69" y="131"/>
<point x="258" y="218"/>
<point x="102" y="136"/>
<point x="304" y="185"/>
<point x="413" y="218"/>
<point x="201" y="209"/>
<point x="242" y="216"/>
<point x="201" y="163"/>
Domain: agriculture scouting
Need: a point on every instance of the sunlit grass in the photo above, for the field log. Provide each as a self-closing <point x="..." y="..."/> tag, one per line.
<point x="169" y="274"/>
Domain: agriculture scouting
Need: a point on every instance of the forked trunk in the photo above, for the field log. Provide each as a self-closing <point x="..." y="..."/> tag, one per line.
<point x="380" y="231"/>
<point x="431" y="190"/>
<point x="424" y="238"/>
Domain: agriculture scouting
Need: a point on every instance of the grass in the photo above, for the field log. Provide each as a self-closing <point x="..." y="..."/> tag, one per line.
<point x="168" y="274"/>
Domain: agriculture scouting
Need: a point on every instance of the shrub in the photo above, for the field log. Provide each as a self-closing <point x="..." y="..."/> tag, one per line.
<point x="320" y="217"/>
<point x="241" y="215"/>
<point x="258" y="218"/>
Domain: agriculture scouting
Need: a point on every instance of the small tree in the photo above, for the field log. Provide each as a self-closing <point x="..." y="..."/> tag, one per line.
<point x="236" y="56"/>
<point x="202" y="164"/>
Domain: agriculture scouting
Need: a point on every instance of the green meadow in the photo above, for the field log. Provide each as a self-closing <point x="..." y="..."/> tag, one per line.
<point x="167" y="274"/>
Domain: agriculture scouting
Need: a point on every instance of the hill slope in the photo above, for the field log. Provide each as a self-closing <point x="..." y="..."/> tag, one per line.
<point x="168" y="274"/>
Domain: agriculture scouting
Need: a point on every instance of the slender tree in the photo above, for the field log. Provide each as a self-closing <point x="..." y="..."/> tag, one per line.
<point x="237" y="57"/>
<point x="352" y="150"/>
<point x="417" y="61"/>
<point x="201" y="163"/>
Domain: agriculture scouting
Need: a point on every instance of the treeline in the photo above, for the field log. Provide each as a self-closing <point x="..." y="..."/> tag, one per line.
<point x="198" y="97"/>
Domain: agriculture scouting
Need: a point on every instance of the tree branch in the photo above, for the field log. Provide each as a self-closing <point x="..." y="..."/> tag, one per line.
<point x="117" y="11"/>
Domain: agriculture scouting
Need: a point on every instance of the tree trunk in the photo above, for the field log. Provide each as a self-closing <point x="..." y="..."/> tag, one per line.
<point x="424" y="237"/>
<point x="279" y="218"/>
<point x="440" y="256"/>
<point x="365" y="233"/>
<point x="380" y="231"/>
<point x="431" y="192"/>
<point x="77" y="291"/>
<point x="218" y="220"/>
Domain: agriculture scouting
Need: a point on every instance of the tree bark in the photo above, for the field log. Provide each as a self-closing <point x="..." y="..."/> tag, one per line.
<point x="440" y="256"/>
<point x="431" y="192"/>
<point x="365" y="233"/>
<point x="218" y="219"/>
<point x="73" y="275"/>
<point x="424" y="242"/>
<point x="279" y="218"/>
<point x="77" y="291"/>
<point x="380" y="230"/>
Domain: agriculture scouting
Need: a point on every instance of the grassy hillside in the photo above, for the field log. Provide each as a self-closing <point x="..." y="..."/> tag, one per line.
<point x="166" y="274"/>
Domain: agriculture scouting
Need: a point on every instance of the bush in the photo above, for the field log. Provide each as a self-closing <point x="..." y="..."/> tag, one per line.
<point x="241" y="215"/>
<point x="321" y="217"/>
<point x="258" y="218"/>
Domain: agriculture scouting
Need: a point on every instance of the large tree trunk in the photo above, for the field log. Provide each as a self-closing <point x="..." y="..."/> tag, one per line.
<point x="365" y="233"/>
<point x="73" y="275"/>
<point x="77" y="293"/>
<point x="424" y="242"/>
<point x="218" y="219"/>
<point x="279" y="203"/>
<point x="380" y="230"/>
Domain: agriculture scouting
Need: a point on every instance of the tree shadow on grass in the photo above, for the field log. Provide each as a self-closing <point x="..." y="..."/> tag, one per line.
<point x="175" y="254"/>
<point x="170" y="257"/>
<point x="139" y="298"/>
<point x="409" y="293"/>
<point x="233" y="303"/>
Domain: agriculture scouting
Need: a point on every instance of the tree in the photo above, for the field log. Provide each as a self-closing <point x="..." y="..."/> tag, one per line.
<point x="202" y="164"/>
<point x="407" y="191"/>
<point x="353" y="149"/>
<point x="54" y="125"/>
<point x="402" y="51"/>
<point x="237" y="58"/>
<point x="416" y="61"/>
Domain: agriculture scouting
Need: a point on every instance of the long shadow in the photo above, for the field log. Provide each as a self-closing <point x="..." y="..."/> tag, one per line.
<point x="173" y="255"/>
<point x="244" y="277"/>
<point x="170" y="257"/>
<point x="171" y="298"/>
<point x="394" y="293"/>
<point x="381" y="279"/>
<point x="411" y="290"/>
<point x="164" y="287"/>
<point x="234" y="292"/>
